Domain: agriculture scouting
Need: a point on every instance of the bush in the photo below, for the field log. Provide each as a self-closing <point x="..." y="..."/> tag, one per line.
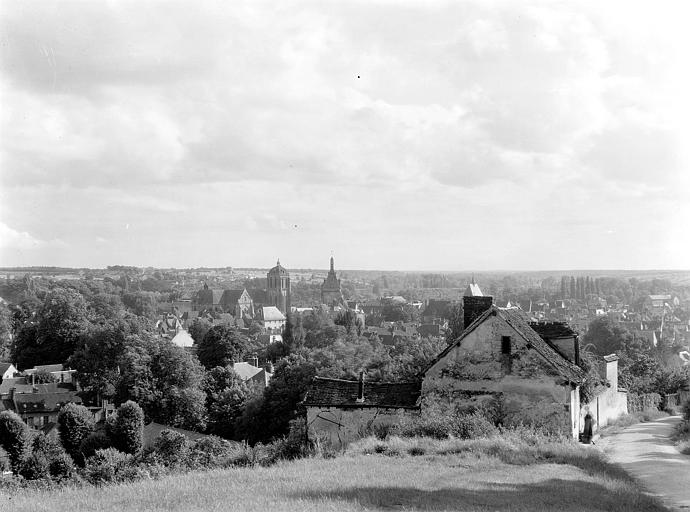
<point x="171" y="449"/>
<point x="75" y="425"/>
<point x="686" y="410"/>
<point x="15" y="438"/>
<point x="207" y="452"/>
<point x="126" y="428"/>
<point x="439" y="426"/>
<point x="49" y="450"/>
<point x="110" y="466"/>
<point x="61" y="466"/>
<point x="35" y="467"/>
<point x="96" y="441"/>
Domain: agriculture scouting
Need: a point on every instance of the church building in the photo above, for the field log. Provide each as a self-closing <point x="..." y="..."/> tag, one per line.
<point x="278" y="288"/>
<point x="331" y="293"/>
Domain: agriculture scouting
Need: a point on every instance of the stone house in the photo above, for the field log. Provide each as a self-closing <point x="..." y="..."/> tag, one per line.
<point x="342" y="410"/>
<point x="500" y="359"/>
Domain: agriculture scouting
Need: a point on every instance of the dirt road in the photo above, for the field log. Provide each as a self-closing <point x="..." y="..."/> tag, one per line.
<point x="645" y="451"/>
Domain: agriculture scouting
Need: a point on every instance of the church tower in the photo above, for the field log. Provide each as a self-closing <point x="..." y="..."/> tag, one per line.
<point x="278" y="288"/>
<point x="331" y="292"/>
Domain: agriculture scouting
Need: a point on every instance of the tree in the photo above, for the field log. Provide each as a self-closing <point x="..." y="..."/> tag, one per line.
<point x="76" y="423"/>
<point x="165" y="380"/>
<point x="221" y="346"/>
<point x="15" y="438"/>
<point x="226" y="398"/>
<point x="351" y="322"/>
<point x="607" y="336"/>
<point x="5" y="332"/>
<point x="199" y="328"/>
<point x="126" y="428"/>
<point x="287" y="388"/>
<point x="60" y="321"/>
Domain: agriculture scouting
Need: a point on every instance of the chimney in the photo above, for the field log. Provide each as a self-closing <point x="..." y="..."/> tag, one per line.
<point x="473" y="307"/>
<point x="360" y="388"/>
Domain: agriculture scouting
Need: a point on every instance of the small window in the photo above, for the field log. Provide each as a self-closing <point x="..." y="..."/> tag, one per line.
<point x="506" y="360"/>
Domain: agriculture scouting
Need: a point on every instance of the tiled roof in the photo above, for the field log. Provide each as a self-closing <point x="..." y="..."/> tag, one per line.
<point x="43" y="402"/>
<point x="552" y="329"/>
<point x="230" y="297"/>
<point x="49" y="367"/>
<point x="343" y="393"/>
<point x="258" y="296"/>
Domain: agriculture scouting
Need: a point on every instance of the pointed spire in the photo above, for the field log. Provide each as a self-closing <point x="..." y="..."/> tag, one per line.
<point x="278" y="262"/>
<point x="332" y="266"/>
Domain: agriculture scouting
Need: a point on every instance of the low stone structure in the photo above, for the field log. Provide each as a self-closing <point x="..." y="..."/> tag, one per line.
<point x="342" y="410"/>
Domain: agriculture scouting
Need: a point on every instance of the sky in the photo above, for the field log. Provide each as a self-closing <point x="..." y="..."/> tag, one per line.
<point x="429" y="135"/>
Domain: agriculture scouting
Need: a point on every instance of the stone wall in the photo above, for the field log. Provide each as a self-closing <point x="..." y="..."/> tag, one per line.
<point x="606" y="407"/>
<point x="340" y="427"/>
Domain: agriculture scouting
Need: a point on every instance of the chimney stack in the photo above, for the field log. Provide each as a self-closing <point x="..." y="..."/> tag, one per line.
<point x="360" y="388"/>
<point x="473" y="307"/>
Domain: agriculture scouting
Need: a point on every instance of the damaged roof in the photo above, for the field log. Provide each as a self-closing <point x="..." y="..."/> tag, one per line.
<point x="343" y="393"/>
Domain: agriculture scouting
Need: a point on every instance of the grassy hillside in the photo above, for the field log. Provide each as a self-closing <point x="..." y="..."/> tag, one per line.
<point x="459" y="481"/>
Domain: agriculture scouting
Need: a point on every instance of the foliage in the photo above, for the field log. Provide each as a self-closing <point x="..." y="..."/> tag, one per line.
<point x="287" y="388"/>
<point x="165" y="380"/>
<point x="15" y="438"/>
<point x="48" y="459"/>
<point x="199" y="328"/>
<point x="126" y="428"/>
<point x="43" y="377"/>
<point x="110" y="466"/>
<point x="226" y="396"/>
<point x="593" y="384"/>
<point x="76" y="423"/>
<point x="53" y="337"/>
<point x="96" y="441"/>
<point x="221" y="346"/>
<point x="172" y="449"/>
<point x="607" y="336"/>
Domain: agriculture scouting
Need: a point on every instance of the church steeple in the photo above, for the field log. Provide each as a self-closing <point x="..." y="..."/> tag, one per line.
<point x="332" y="266"/>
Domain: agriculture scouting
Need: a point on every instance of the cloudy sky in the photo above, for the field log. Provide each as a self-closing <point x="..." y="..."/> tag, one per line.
<point x="425" y="135"/>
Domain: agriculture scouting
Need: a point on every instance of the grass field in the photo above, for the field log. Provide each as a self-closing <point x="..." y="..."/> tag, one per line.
<point x="465" y="481"/>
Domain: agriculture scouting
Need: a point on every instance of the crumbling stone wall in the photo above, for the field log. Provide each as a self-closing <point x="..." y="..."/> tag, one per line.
<point x="340" y="427"/>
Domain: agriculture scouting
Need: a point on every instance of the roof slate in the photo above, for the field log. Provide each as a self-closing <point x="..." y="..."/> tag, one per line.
<point x="343" y="393"/>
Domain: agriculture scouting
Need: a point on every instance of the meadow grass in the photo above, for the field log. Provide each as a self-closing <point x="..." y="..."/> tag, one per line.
<point x="513" y="473"/>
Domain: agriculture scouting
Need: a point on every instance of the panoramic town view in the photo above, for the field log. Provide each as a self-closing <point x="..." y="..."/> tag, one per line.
<point x="344" y="256"/>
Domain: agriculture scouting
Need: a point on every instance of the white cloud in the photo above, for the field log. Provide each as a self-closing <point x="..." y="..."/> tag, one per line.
<point x="365" y="121"/>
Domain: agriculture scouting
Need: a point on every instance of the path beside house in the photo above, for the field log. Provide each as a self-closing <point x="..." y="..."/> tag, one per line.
<point x="646" y="452"/>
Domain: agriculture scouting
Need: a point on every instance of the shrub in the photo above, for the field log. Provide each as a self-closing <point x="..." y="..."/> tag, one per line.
<point x="49" y="450"/>
<point x="62" y="466"/>
<point x="110" y="465"/>
<point x="96" y="441"/>
<point x="35" y="467"/>
<point x="208" y="451"/>
<point x="15" y="438"/>
<point x="126" y="428"/>
<point x="686" y="410"/>
<point x="76" y="423"/>
<point x="473" y="426"/>
<point x="172" y="449"/>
